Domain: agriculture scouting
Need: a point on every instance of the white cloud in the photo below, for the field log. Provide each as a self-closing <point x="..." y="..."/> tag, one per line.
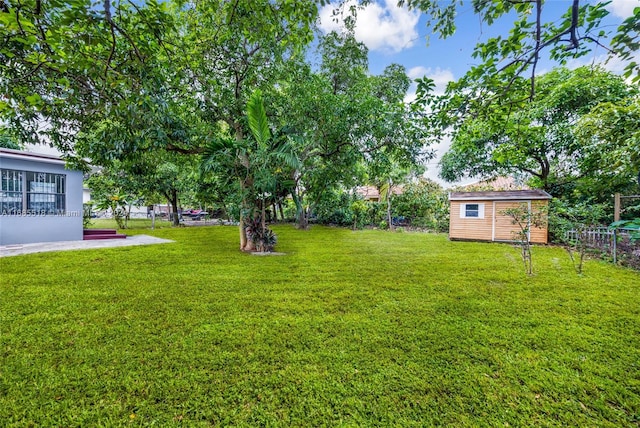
<point x="380" y="26"/>
<point x="417" y="72"/>
<point x="433" y="169"/>
<point x="623" y="8"/>
<point x="613" y="64"/>
<point x="441" y="77"/>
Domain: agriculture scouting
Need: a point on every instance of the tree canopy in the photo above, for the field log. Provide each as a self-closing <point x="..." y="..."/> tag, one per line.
<point x="154" y="89"/>
<point x="539" y="139"/>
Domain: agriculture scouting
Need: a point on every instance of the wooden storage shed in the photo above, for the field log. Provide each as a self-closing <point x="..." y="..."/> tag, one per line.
<point x="478" y="216"/>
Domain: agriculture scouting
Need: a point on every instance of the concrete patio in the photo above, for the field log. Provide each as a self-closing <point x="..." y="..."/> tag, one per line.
<point x="43" y="247"/>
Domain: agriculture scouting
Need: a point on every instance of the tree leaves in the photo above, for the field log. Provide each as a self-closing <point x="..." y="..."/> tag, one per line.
<point x="539" y="138"/>
<point x="627" y="42"/>
<point x="257" y="118"/>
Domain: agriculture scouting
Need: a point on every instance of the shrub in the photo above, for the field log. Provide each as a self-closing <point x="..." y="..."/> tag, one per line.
<point x="359" y="211"/>
<point x="424" y="204"/>
<point x="335" y="208"/>
<point x="86" y="215"/>
<point x="263" y="239"/>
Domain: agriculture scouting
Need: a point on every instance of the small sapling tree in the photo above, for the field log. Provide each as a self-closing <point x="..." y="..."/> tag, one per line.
<point x="571" y="224"/>
<point x="525" y="218"/>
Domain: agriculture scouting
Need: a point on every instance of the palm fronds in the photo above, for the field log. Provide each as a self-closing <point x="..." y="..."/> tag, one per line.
<point x="257" y="117"/>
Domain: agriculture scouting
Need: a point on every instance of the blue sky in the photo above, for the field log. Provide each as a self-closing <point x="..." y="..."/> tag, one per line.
<point x="397" y="35"/>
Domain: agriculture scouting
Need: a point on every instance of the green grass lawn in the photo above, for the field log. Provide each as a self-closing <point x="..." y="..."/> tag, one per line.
<point x="364" y="328"/>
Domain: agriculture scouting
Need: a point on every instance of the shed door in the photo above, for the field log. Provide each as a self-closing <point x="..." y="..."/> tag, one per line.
<point x="503" y="229"/>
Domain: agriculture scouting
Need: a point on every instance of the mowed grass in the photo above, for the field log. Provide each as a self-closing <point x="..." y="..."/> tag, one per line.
<point x="364" y="328"/>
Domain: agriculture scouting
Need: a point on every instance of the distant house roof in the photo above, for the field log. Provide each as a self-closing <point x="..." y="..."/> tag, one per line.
<point x="498" y="183"/>
<point x="509" y="195"/>
<point x="371" y="192"/>
<point x="18" y="154"/>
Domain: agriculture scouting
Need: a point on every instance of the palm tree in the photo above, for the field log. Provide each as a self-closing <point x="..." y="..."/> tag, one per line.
<point x="253" y="164"/>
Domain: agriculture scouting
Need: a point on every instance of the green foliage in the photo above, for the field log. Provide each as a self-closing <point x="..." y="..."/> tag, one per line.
<point x="611" y="140"/>
<point x="626" y="43"/>
<point x="117" y="204"/>
<point x="345" y="123"/>
<point x="509" y="63"/>
<point x="87" y="210"/>
<point x="359" y="329"/>
<point x="7" y="141"/>
<point x="540" y="137"/>
<point x="253" y="167"/>
<point x="72" y="65"/>
<point x="156" y="71"/>
<point x="359" y="210"/>
<point x="264" y="239"/>
<point x="257" y="118"/>
<point x="153" y="177"/>
<point x="632" y="226"/>
<point x="569" y="223"/>
<point x="341" y="208"/>
<point x="424" y="204"/>
<point x="335" y="208"/>
<point x="567" y="215"/>
<point x="344" y="61"/>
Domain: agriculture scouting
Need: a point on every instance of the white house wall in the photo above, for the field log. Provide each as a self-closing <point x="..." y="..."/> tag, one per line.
<point x="26" y="229"/>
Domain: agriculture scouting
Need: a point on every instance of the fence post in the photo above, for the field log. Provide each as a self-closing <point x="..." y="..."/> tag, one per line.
<point x="615" y="247"/>
<point x="616" y="207"/>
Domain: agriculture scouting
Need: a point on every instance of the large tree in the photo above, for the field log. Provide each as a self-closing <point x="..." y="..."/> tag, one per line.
<point x="610" y="134"/>
<point x="341" y="117"/>
<point x="64" y="65"/>
<point x="250" y="166"/>
<point x="538" y="139"/>
<point x="68" y="67"/>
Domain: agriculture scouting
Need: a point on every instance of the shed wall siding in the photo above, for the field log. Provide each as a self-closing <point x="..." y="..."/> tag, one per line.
<point x="498" y="227"/>
<point x="505" y="230"/>
<point x="471" y="228"/>
<point x="539" y="234"/>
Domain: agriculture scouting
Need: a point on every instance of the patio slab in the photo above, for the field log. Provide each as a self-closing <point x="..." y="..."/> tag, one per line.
<point x="43" y="247"/>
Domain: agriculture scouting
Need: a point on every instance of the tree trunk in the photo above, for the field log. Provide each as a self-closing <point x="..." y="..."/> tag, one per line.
<point x="264" y="223"/>
<point x="282" y="211"/>
<point x="174" y="207"/>
<point x="302" y="215"/>
<point x="389" y="222"/>
<point x="245" y="243"/>
<point x="303" y="220"/>
<point x="243" y="234"/>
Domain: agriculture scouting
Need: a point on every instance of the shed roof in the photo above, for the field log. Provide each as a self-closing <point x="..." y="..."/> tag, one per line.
<point x="509" y="195"/>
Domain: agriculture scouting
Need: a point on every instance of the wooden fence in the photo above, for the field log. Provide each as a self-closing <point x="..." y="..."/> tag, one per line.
<point x="596" y="237"/>
<point x="606" y="240"/>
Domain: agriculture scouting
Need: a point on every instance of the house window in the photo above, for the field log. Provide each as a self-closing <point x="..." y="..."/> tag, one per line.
<point x="45" y="193"/>
<point x="11" y="196"/>
<point x="32" y="193"/>
<point x="472" y="211"/>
